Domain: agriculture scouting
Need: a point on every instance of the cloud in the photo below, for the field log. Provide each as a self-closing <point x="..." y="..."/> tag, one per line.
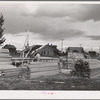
<point x="92" y="12"/>
<point x="53" y="10"/>
<point x="71" y="12"/>
<point x="46" y="27"/>
<point x="28" y="9"/>
<point x="56" y="35"/>
<point x="76" y="12"/>
<point x="19" y="39"/>
<point x="49" y="31"/>
<point x="92" y="37"/>
<point x="49" y="21"/>
<point x="54" y="28"/>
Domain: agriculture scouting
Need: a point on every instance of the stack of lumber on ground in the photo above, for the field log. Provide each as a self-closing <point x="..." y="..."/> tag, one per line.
<point x="4" y="56"/>
<point x="13" y="72"/>
<point x="72" y="57"/>
<point x="43" y="69"/>
<point x="6" y="67"/>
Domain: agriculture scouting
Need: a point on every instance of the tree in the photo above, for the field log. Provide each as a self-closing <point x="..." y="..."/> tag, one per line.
<point x="2" y="39"/>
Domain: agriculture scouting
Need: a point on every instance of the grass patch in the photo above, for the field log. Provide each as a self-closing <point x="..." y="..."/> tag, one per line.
<point x="55" y="82"/>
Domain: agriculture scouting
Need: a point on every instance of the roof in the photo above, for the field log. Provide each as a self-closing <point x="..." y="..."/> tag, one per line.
<point x="80" y="49"/>
<point x="38" y="47"/>
<point x="33" y="47"/>
<point x="54" y="48"/>
<point x="9" y="46"/>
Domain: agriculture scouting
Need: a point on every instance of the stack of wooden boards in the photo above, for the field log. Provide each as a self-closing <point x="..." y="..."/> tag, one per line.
<point x="4" y="55"/>
<point x="6" y="67"/>
<point x="72" y="57"/>
<point x="5" y="59"/>
<point x="39" y="69"/>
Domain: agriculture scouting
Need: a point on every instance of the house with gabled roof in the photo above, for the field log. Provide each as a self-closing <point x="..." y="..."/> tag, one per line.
<point x="11" y="48"/>
<point x="44" y="50"/>
<point x="75" y="49"/>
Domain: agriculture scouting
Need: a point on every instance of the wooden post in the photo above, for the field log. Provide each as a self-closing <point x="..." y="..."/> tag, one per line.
<point x="15" y="62"/>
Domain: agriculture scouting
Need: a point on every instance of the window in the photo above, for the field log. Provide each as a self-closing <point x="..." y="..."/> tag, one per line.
<point x="44" y="52"/>
<point x="48" y="53"/>
<point x="75" y="51"/>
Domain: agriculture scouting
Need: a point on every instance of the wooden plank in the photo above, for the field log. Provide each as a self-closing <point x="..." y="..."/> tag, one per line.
<point x="43" y="70"/>
<point x="12" y="70"/>
<point x="42" y="64"/>
<point x="7" y="67"/>
<point x="5" y="60"/>
<point x="4" y="51"/>
<point x="6" y="63"/>
<point x="46" y="73"/>
<point x="11" y="74"/>
<point x="20" y="58"/>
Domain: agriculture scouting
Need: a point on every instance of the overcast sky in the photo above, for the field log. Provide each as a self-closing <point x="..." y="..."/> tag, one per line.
<point x="49" y="22"/>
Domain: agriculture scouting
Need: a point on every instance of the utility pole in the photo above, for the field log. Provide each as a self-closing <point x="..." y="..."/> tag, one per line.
<point x="80" y="45"/>
<point x="93" y="26"/>
<point x="91" y="48"/>
<point x="62" y="44"/>
<point x="99" y="49"/>
<point x="28" y="39"/>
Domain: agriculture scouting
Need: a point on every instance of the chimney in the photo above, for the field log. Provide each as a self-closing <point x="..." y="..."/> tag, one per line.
<point x="47" y="43"/>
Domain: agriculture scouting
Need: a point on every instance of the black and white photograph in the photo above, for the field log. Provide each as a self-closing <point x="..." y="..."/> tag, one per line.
<point x="49" y="46"/>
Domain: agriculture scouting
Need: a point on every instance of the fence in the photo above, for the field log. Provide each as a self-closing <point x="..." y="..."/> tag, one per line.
<point x="28" y="60"/>
<point x="49" y="59"/>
